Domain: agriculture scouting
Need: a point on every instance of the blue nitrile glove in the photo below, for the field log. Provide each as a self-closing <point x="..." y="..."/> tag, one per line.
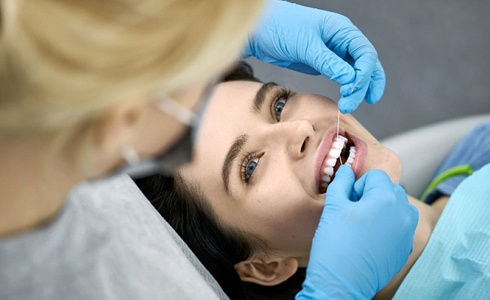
<point x="359" y="245"/>
<point x="316" y="42"/>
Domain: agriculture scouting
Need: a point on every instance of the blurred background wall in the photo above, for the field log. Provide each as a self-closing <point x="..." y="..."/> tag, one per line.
<point x="436" y="55"/>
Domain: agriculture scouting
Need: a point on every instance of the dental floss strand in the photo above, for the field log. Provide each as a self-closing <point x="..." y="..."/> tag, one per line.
<point x="338" y="128"/>
<point x="338" y="118"/>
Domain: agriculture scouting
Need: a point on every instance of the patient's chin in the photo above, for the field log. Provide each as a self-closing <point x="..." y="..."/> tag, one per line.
<point x="395" y="171"/>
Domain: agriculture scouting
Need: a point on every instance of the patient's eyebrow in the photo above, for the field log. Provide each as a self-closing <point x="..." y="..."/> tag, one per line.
<point x="240" y="141"/>
<point x="261" y="94"/>
<point x="233" y="152"/>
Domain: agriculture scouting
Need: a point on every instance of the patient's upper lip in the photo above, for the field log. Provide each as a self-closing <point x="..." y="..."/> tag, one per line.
<point x="322" y="152"/>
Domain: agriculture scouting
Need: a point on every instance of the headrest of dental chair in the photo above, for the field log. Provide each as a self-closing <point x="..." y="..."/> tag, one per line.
<point x="422" y="150"/>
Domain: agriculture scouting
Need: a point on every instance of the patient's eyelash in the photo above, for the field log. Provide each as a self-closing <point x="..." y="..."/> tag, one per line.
<point x="248" y="165"/>
<point x="279" y="100"/>
<point x="251" y="160"/>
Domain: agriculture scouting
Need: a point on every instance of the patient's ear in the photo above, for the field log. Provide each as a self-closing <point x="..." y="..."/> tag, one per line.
<point x="267" y="269"/>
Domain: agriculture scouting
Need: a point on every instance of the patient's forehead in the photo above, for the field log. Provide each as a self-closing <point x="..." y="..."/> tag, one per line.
<point x="228" y="115"/>
<point x="232" y="97"/>
<point x="237" y="88"/>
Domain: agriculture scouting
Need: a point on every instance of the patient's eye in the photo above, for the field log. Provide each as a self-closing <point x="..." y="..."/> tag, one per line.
<point x="249" y="164"/>
<point x="278" y="103"/>
<point x="279" y="107"/>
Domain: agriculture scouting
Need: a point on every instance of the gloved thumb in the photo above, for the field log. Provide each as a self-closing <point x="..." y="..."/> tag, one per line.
<point x="341" y="187"/>
<point x="374" y="181"/>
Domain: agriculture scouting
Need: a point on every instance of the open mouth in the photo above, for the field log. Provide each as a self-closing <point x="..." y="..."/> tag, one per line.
<point x="342" y="151"/>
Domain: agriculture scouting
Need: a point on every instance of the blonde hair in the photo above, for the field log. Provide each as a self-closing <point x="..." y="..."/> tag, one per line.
<point x="63" y="62"/>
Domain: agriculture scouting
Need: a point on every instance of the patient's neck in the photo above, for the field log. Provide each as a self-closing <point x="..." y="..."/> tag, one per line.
<point x="428" y="217"/>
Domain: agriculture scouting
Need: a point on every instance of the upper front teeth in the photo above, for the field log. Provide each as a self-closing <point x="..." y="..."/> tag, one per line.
<point x="336" y="150"/>
<point x="332" y="157"/>
<point x="328" y="171"/>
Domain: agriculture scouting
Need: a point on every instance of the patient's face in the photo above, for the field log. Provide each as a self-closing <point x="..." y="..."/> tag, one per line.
<point x="261" y="156"/>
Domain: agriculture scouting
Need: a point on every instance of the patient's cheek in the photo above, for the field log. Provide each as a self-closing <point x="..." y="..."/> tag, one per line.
<point x="396" y="168"/>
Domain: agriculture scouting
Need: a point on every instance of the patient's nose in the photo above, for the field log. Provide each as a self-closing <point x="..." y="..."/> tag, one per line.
<point x="293" y="137"/>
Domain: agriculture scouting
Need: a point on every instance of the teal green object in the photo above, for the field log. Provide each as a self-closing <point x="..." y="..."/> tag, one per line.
<point x="455" y="263"/>
<point x="451" y="172"/>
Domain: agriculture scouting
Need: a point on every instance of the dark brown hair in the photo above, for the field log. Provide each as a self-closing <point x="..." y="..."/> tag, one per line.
<point x="218" y="247"/>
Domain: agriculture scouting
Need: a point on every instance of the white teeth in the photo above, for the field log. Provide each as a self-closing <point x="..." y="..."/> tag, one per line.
<point x="326" y="178"/>
<point x="332" y="157"/>
<point x="331" y="162"/>
<point x="338" y="145"/>
<point x="341" y="138"/>
<point x="352" y="156"/>
<point x="328" y="171"/>
<point x="335" y="152"/>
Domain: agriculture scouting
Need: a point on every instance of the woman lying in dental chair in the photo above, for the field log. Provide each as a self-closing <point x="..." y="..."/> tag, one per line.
<point x="249" y="204"/>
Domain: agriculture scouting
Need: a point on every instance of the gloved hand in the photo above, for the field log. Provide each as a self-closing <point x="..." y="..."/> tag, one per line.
<point x="359" y="245"/>
<point x="316" y="42"/>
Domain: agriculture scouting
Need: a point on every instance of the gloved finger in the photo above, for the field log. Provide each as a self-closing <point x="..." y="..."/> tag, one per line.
<point x="341" y="187"/>
<point x="377" y="84"/>
<point x="364" y="66"/>
<point x="400" y="193"/>
<point x="351" y="101"/>
<point x="327" y="63"/>
<point x="411" y="215"/>
<point x="362" y="51"/>
<point x="365" y="63"/>
<point x="373" y="181"/>
<point x="302" y="68"/>
<point x="412" y="212"/>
